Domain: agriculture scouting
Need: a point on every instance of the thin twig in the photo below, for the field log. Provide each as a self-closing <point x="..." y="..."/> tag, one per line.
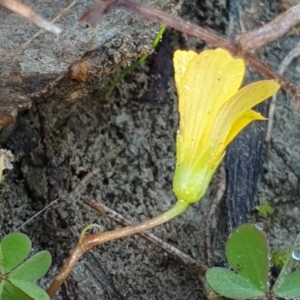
<point x="97" y="11"/>
<point x="209" y="228"/>
<point x="81" y="186"/>
<point x="169" y="249"/>
<point x="36" y="35"/>
<point x="36" y="215"/>
<point x="24" y="11"/>
<point x="49" y="87"/>
<point x="295" y="52"/>
<point x="271" y="31"/>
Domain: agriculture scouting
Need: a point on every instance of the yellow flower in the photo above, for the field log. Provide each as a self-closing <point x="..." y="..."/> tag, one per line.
<point x="213" y="110"/>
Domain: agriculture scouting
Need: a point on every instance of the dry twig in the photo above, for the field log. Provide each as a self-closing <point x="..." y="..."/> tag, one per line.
<point x="24" y="11"/>
<point x="271" y="31"/>
<point x="295" y="52"/>
<point x="36" y="35"/>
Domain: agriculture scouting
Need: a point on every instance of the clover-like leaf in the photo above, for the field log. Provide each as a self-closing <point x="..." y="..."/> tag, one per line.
<point x="31" y="290"/>
<point x="14" y="248"/>
<point x="33" y="268"/>
<point x="1" y="287"/>
<point x="289" y="287"/>
<point x="247" y="253"/>
<point x="11" y="292"/>
<point x="231" y="285"/>
<point x="17" y="282"/>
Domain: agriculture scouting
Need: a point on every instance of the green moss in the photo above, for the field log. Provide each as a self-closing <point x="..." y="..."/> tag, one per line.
<point x="264" y="210"/>
<point x="279" y="257"/>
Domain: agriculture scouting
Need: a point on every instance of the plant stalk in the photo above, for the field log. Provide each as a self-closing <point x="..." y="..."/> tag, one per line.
<point x="90" y="241"/>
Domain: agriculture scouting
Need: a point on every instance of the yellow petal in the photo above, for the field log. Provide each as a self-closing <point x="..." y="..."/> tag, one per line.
<point x="232" y="110"/>
<point x="180" y="61"/>
<point x="241" y="123"/>
<point x="210" y="79"/>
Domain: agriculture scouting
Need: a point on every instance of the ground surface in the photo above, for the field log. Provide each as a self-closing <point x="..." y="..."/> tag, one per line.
<point x="130" y="138"/>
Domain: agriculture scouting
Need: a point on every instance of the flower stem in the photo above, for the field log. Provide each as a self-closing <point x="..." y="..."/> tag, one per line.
<point x="90" y="241"/>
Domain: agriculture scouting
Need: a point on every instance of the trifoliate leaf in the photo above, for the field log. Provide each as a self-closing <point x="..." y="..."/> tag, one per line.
<point x="247" y="253"/>
<point x="11" y="292"/>
<point x="30" y="289"/>
<point x="289" y="287"/>
<point x="14" y="248"/>
<point x="231" y="285"/>
<point x="32" y="269"/>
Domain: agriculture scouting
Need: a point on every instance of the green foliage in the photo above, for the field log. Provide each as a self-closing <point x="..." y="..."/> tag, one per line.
<point x="231" y="284"/>
<point x="247" y="253"/>
<point x="289" y="287"/>
<point x="264" y="210"/>
<point x="16" y="275"/>
<point x="279" y="257"/>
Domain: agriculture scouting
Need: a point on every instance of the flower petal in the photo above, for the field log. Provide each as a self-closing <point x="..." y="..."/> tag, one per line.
<point x="181" y="60"/>
<point x="235" y="108"/>
<point x="210" y="79"/>
<point x="241" y="123"/>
